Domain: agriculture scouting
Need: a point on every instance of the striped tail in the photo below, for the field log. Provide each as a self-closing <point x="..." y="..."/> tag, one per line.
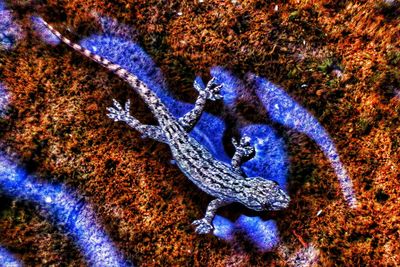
<point x="140" y="87"/>
<point x="117" y="69"/>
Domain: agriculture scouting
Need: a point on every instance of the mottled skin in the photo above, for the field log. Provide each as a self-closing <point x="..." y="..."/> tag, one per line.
<point x="226" y="183"/>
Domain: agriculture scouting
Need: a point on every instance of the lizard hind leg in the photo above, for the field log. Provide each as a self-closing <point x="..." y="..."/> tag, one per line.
<point x="204" y="226"/>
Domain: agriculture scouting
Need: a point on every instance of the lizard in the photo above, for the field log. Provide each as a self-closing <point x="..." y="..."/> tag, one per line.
<point x="227" y="183"/>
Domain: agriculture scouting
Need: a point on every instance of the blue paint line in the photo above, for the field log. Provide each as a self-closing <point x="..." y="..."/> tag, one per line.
<point x="7" y="259"/>
<point x="68" y="210"/>
<point x="10" y="31"/>
<point x="4" y="100"/>
<point x="264" y="234"/>
<point x="286" y="111"/>
<point x="45" y="34"/>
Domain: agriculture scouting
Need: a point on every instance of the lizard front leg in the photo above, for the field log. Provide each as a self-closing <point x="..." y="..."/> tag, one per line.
<point x="243" y="151"/>
<point x="204" y="226"/>
<point x="118" y="113"/>
<point x="211" y="92"/>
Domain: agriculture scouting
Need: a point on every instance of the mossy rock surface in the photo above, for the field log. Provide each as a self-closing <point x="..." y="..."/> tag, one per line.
<point x="58" y="126"/>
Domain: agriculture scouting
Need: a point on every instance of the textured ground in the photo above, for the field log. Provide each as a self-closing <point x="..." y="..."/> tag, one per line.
<point x="348" y="55"/>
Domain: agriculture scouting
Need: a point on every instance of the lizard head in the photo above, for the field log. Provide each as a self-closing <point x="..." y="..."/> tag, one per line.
<point x="263" y="194"/>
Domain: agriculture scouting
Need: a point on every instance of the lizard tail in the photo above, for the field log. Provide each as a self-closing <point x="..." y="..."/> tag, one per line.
<point x="141" y="88"/>
<point x="115" y="68"/>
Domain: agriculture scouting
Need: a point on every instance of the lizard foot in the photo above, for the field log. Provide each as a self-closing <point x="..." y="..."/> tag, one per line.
<point x="202" y="226"/>
<point x="212" y="90"/>
<point x="243" y="147"/>
<point x="118" y="113"/>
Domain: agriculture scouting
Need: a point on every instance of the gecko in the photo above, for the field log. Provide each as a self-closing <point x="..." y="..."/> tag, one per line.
<point x="227" y="183"/>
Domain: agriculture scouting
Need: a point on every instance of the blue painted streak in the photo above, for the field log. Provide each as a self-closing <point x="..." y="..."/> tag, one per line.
<point x="4" y="100"/>
<point x="284" y="110"/>
<point x="7" y="259"/>
<point x="69" y="211"/>
<point x="10" y="32"/>
<point x="44" y="33"/>
<point x="263" y="234"/>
